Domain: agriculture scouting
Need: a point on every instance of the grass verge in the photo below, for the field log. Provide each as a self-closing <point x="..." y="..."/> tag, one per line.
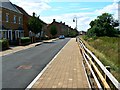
<point x="107" y="49"/>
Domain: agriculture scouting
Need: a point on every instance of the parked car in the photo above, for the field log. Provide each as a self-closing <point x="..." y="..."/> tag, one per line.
<point x="61" y="37"/>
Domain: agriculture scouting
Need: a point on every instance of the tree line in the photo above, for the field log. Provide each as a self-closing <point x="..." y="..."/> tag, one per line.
<point x="103" y="25"/>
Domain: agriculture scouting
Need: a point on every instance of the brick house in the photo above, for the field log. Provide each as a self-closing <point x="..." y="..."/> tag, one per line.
<point x="26" y="18"/>
<point x="62" y="29"/>
<point x="11" y="22"/>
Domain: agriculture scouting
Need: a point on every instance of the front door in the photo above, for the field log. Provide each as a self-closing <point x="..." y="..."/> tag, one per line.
<point x="13" y="35"/>
<point x="10" y="35"/>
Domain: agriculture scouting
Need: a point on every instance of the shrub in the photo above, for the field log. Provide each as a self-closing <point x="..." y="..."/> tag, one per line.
<point x="107" y="50"/>
<point x="53" y="30"/>
<point x="4" y="44"/>
<point x="25" y="40"/>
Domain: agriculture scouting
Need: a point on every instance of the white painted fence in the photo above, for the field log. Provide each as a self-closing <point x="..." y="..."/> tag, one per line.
<point x="104" y="79"/>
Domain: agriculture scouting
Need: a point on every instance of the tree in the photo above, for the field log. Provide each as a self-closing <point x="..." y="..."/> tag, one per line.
<point x="53" y="30"/>
<point x="104" y="25"/>
<point x="35" y="25"/>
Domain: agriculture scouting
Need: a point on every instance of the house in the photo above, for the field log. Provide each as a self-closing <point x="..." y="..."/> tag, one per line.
<point x="44" y="28"/>
<point x="11" y="22"/>
<point x="62" y="29"/>
<point x="26" y="18"/>
<point x="58" y="28"/>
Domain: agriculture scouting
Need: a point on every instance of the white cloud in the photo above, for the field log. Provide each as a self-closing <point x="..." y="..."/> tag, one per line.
<point x="109" y="9"/>
<point x="84" y="19"/>
<point x="32" y="5"/>
<point x="84" y="9"/>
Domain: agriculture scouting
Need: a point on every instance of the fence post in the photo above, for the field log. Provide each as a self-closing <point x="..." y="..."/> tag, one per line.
<point x="76" y="39"/>
<point x="106" y="78"/>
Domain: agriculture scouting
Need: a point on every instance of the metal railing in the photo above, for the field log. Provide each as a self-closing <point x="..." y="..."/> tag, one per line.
<point x="98" y="75"/>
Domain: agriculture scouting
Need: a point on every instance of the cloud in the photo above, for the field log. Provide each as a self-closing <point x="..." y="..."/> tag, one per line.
<point x="33" y="5"/>
<point x="57" y="8"/>
<point x="84" y="9"/>
<point x="83" y="18"/>
<point x="38" y="6"/>
<point x="112" y="9"/>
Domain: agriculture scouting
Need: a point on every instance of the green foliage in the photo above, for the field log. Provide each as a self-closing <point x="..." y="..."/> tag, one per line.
<point x="53" y="30"/>
<point x="107" y="50"/>
<point x="104" y="25"/>
<point x="25" y="40"/>
<point x="72" y="33"/>
<point x="35" y="25"/>
<point x="4" y="44"/>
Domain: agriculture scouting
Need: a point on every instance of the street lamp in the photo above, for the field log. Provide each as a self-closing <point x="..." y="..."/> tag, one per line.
<point x="75" y="20"/>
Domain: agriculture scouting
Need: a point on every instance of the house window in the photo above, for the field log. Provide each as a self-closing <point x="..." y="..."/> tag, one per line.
<point x="7" y="17"/>
<point x="14" y="19"/>
<point x="19" y="20"/>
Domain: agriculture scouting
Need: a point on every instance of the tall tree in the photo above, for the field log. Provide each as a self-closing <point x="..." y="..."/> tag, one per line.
<point x="104" y="25"/>
<point x="35" y="24"/>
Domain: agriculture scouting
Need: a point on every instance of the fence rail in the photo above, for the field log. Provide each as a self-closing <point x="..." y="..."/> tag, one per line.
<point x="102" y="77"/>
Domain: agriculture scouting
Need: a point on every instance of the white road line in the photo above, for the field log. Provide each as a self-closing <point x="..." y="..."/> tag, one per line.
<point x="39" y="75"/>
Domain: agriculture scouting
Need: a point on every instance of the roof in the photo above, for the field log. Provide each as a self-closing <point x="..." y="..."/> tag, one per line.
<point x="8" y="5"/>
<point x="21" y="10"/>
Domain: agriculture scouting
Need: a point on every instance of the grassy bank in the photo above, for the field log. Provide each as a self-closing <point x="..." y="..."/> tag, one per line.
<point x="107" y="49"/>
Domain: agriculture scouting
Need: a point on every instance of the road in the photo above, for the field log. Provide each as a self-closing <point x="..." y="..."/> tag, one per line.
<point x="20" y="68"/>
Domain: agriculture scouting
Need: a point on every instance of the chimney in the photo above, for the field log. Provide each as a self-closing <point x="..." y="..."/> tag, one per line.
<point x="33" y="14"/>
<point x="53" y="20"/>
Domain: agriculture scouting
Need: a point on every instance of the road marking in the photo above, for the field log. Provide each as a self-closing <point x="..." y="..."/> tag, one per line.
<point x="24" y="67"/>
<point x="40" y="74"/>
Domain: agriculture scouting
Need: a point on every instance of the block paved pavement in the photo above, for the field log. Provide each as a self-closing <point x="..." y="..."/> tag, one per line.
<point x="65" y="71"/>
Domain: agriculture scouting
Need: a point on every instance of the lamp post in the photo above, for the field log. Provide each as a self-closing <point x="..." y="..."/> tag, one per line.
<point x="75" y="20"/>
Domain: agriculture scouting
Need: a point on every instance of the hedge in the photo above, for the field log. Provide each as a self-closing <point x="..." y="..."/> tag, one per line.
<point x="25" y="40"/>
<point x="4" y="44"/>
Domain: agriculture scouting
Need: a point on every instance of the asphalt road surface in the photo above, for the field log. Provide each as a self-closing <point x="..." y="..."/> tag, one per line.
<point x="20" y="68"/>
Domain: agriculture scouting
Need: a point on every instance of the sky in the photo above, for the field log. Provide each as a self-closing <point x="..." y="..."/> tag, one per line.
<point x="66" y="10"/>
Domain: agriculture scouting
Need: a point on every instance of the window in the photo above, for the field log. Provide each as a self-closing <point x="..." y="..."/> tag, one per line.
<point x="7" y="17"/>
<point x="14" y="19"/>
<point x="19" y="20"/>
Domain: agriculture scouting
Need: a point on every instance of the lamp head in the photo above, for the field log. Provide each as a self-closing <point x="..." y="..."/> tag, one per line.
<point x="73" y="20"/>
